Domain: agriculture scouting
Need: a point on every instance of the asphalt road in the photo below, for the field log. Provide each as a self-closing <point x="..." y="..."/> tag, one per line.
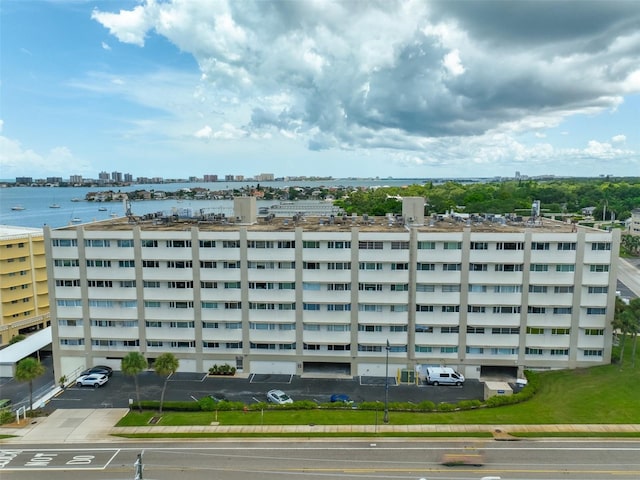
<point x="189" y="386"/>
<point x="328" y="460"/>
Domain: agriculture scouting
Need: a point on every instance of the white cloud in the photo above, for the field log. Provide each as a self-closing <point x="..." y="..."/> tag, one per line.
<point x="619" y="139"/>
<point x="15" y="160"/>
<point x="453" y="64"/>
<point x="105" y="46"/>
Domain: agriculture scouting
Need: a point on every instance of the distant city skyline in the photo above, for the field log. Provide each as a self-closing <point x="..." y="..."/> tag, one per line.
<point x="403" y="89"/>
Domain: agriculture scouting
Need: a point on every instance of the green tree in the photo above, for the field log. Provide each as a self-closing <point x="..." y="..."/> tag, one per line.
<point x="27" y="370"/>
<point x="165" y="366"/>
<point x="632" y="314"/>
<point x="17" y="338"/>
<point x="132" y="365"/>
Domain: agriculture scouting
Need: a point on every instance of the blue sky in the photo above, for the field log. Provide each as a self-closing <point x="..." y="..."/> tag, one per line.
<point x="396" y="89"/>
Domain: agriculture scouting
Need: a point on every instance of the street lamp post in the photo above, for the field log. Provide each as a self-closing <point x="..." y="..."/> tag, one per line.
<point x="385" y="418"/>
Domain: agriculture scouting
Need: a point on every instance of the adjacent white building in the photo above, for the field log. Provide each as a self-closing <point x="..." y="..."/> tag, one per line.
<point x="285" y="295"/>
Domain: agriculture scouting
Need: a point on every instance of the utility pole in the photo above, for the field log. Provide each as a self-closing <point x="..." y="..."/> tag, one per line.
<point x="385" y="418"/>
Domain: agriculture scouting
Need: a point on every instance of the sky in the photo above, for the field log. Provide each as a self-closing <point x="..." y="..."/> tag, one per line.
<point x="403" y="89"/>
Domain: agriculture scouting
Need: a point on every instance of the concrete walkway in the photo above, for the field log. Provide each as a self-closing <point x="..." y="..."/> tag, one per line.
<point x="97" y="426"/>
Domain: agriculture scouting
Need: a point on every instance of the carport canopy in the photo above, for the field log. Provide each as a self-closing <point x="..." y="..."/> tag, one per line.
<point x="12" y="354"/>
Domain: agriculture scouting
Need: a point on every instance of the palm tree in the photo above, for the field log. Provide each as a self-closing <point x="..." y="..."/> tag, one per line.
<point x="132" y="365"/>
<point x="632" y="314"/>
<point x="165" y="365"/>
<point x="620" y="324"/>
<point x="27" y="370"/>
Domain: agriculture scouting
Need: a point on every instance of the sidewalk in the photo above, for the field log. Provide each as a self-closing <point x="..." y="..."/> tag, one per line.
<point x="97" y="426"/>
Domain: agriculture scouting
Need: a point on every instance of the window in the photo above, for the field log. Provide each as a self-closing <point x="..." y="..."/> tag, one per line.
<point x="338" y="328"/>
<point x="98" y="243"/>
<point x="476" y="308"/>
<point x="286" y="244"/>
<point x="598" y="289"/>
<point x="594" y="331"/>
<point x="370" y="287"/>
<point x="231" y="244"/>
<point x="311" y="327"/>
<point x="452" y="245"/>
<point x="310" y="244"/>
<point x="61" y="242"/>
<point x="261" y="285"/>
<point x="399" y="266"/>
<point x="478" y="267"/>
<point x="535" y="331"/>
<point x="286" y="265"/>
<point x="207" y="244"/>
<point x="369" y="328"/>
<point x="599" y="268"/>
<point x="508" y="267"/>
<point x="455" y="329"/>
<point x="510" y="246"/>
<point x="562" y="310"/>
<point x="505" y="331"/>
<point x="259" y="244"/>
<point x="311" y="265"/>
<point x="66" y="283"/>
<point x="475" y="350"/>
<point x="450" y="308"/>
<point x="261" y="326"/>
<point x="504" y="351"/>
<point x="507" y="289"/>
<point x="186" y="284"/>
<point x="398" y="245"/>
<point x="338" y="286"/>
<point x="314" y="307"/>
<point x="206" y="344"/>
<point x="560" y="331"/>
<point x="474" y="288"/>
<point x="339" y="266"/>
<point x="479" y="246"/>
<point x="150" y="264"/>
<point x="233" y="325"/>
<point x="337" y="244"/>
<point x="178" y="243"/>
<point x="536" y="310"/>
<point x="399" y="308"/>
<point x="262" y="265"/>
<point x="397" y="328"/>
<point x="100" y="283"/>
<point x="424" y="328"/>
<point x="68" y="303"/>
<point x="533" y="351"/>
<point x="151" y="284"/>
<point x="261" y="306"/>
<point x="70" y="323"/>
<point x="101" y="303"/>
<point x="232" y="285"/>
<point x="449" y="349"/>
<point x="149" y="243"/>
<point x="366" y="307"/>
<point x="565" y="267"/>
<point x="426" y="245"/>
<point x="209" y="305"/>
<point x="286" y="286"/>
<point x="596" y="311"/>
<point x="369" y="348"/>
<point x="182" y="324"/>
<point x="232" y="305"/>
<point x="400" y="287"/>
<point x="539" y="267"/>
<point x="476" y="330"/>
<point x="566" y="246"/>
<point x="540" y="246"/>
<point x="593" y="353"/>
<point x="601" y="246"/>
<point x="180" y="304"/>
<point x="563" y="289"/>
<point x="72" y="341"/>
<point x="450" y="288"/>
<point x="559" y="351"/>
<point x="423" y="349"/>
<point x="180" y="264"/>
<point x="126" y="263"/>
<point x="152" y="304"/>
<point x="424" y="287"/>
<point x="506" y="309"/>
<point x="286" y="326"/>
<point x="231" y="264"/>
<point x="451" y="267"/>
<point x="370" y="245"/>
<point x="370" y="266"/>
<point x="99" y="263"/>
<point x="426" y="266"/>
<point x="424" y="308"/>
<point x="537" y="289"/>
<point x="208" y="264"/>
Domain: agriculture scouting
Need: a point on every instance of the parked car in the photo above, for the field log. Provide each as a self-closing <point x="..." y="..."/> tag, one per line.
<point x="100" y="370"/>
<point x="340" y="398"/>
<point x="443" y="376"/>
<point x="94" y="380"/>
<point x="278" y="397"/>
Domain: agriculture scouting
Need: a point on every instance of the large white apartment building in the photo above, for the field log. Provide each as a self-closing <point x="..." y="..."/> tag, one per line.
<point x="297" y="295"/>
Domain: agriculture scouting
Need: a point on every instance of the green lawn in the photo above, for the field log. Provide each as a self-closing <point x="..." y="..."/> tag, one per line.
<point x="606" y="394"/>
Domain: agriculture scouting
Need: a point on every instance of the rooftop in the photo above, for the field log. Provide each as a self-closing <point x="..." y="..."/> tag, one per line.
<point x="9" y="231"/>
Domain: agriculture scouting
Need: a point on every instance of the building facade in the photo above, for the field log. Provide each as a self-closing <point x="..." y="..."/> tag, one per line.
<point x="24" y="297"/>
<point x="299" y="295"/>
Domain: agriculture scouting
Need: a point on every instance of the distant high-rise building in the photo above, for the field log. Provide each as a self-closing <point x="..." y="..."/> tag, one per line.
<point x="116" y="177"/>
<point x="229" y="178"/>
<point x="211" y="178"/>
<point x="103" y="176"/>
<point x="128" y="178"/>
<point x="24" y="294"/>
<point x="265" y="177"/>
<point x="24" y="180"/>
<point x="75" y="179"/>
<point x="53" y="180"/>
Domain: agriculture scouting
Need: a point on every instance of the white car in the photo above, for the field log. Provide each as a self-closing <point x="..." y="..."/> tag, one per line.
<point x="278" y="397"/>
<point x="93" y="380"/>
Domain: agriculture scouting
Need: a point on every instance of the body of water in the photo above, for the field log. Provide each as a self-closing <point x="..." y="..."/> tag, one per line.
<point x="36" y="201"/>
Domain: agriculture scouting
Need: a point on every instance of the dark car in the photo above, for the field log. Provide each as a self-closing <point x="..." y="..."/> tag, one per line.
<point x="340" y="398"/>
<point x="99" y="369"/>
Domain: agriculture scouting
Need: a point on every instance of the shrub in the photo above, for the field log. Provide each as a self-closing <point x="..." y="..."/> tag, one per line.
<point x="426" y="406"/>
<point x="173" y="406"/>
<point x="446" y="407"/>
<point x="469" y="404"/>
<point x="6" y="416"/>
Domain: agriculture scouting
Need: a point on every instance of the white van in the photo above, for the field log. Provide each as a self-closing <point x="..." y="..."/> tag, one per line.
<point x="443" y="376"/>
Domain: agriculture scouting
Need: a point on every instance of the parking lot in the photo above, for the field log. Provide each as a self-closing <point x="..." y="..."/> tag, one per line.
<point x="253" y="388"/>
